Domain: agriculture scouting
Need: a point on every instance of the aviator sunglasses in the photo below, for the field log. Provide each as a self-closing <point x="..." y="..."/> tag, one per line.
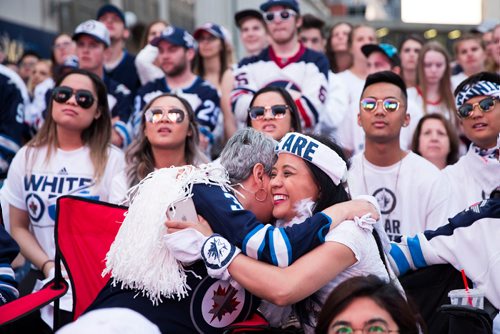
<point x="369" y="104"/>
<point x="83" y="98"/>
<point x="278" y="111"/>
<point x="172" y="115"/>
<point x="485" y="105"/>
<point x="284" y="14"/>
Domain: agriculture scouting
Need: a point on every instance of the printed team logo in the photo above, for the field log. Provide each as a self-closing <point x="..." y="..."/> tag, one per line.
<point x="36" y="207"/>
<point x="217" y="252"/>
<point x="217" y="304"/>
<point x="386" y="200"/>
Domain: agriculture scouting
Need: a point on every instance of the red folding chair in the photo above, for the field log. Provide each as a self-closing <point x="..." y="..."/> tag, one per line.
<point x="84" y="232"/>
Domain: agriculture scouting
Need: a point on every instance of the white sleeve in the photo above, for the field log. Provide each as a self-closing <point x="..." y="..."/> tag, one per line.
<point x="350" y="235"/>
<point x="336" y="105"/>
<point x="12" y="191"/>
<point x="118" y="189"/>
<point x="245" y="87"/>
<point x="144" y="62"/>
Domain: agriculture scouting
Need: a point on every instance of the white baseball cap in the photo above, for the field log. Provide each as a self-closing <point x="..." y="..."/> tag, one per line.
<point x="94" y="29"/>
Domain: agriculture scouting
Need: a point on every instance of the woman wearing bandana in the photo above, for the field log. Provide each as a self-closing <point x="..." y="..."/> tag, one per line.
<point x="477" y="173"/>
<point x="308" y="176"/>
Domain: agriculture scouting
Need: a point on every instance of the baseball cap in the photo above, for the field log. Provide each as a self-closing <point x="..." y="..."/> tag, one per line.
<point x="94" y="29"/>
<point x="109" y="8"/>
<point x="292" y="4"/>
<point x="175" y="36"/>
<point x="389" y="50"/>
<point x="71" y="61"/>
<point x="211" y="28"/>
<point x="247" y="13"/>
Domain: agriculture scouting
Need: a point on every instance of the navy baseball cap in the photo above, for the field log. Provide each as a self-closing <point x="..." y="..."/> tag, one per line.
<point x="389" y="50"/>
<point x="292" y="4"/>
<point x="175" y="36"/>
<point x="95" y="29"/>
<point x="109" y="8"/>
<point x="247" y="13"/>
<point x="212" y="29"/>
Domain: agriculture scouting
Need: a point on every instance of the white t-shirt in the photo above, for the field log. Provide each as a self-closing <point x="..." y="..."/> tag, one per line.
<point x="36" y="189"/>
<point x="457" y="79"/>
<point x="119" y="188"/>
<point x="336" y="106"/>
<point x="412" y="194"/>
<point x="471" y="179"/>
<point x="417" y="101"/>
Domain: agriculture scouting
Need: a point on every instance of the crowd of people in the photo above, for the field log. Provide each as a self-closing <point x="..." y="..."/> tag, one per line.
<point x="327" y="166"/>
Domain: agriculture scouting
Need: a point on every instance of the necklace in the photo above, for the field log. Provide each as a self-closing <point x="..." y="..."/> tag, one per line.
<point x="383" y="193"/>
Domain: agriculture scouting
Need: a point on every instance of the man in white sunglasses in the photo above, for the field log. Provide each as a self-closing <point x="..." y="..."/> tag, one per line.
<point x="285" y="63"/>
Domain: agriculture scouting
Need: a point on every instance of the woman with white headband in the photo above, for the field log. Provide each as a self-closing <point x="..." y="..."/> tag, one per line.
<point x="307" y="177"/>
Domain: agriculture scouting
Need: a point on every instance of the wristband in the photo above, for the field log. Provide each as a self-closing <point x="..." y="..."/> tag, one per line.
<point x="44" y="264"/>
<point x="218" y="253"/>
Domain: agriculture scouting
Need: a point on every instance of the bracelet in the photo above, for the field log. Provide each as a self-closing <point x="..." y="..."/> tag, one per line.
<point x="44" y="264"/>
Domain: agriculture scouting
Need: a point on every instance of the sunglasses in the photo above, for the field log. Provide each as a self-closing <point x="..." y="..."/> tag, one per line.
<point x="83" y="97"/>
<point x="369" y="104"/>
<point x="284" y="14"/>
<point x="258" y="113"/>
<point x="172" y="115"/>
<point x="485" y="105"/>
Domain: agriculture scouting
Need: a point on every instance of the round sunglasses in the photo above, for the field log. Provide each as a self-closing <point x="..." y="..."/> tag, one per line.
<point x="157" y="114"/>
<point x="485" y="105"/>
<point x="284" y="14"/>
<point x="83" y="97"/>
<point x="278" y="111"/>
<point x="369" y="104"/>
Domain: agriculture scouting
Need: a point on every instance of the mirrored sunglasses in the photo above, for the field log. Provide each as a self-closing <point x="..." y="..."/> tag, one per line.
<point x="258" y="113"/>
<point x="369" y="104"/>
<point x="485" y="105"/>
<point x="157" y="114"/>
<point x="83" y="97"/>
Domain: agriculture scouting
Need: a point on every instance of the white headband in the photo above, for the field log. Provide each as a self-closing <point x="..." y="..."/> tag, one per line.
<point x="315" y="152"/>
<point x="478" y="89"/>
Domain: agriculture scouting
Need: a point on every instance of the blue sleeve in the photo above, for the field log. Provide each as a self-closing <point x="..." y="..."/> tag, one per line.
<point x="8" y="251"/>
<point x="278" y="246"/>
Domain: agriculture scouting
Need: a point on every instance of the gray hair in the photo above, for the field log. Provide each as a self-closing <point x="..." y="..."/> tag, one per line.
<point x="245" y="149"/>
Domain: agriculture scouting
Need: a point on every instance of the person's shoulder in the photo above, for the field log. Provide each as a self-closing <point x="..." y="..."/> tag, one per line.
<point x="152" y="86"/>
<point x="263" y="55"/>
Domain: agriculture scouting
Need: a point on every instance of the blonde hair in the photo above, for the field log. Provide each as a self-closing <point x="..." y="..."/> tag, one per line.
<point x="97" y="136"/>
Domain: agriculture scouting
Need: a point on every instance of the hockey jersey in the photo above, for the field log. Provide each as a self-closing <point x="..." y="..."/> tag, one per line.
<point x="200" y="94"/>
<point x="214" y="304"/>
<point x="125" y="73"/>
<point x="13" y="98"/>
<point x="306" y="73"/>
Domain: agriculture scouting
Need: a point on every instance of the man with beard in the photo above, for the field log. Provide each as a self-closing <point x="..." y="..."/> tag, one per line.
<point x="285" y="63"/>
<point x="176" y="51"/>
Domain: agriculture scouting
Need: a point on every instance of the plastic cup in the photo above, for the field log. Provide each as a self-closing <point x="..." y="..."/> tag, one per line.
<point x="463" y="297"/>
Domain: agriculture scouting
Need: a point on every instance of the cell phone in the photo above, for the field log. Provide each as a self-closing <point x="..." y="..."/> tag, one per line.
<point x="183" y="210"/>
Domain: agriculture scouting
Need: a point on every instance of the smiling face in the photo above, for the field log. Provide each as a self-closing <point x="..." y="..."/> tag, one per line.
<point x="69" y="115"/>
<point x="433" y="141"/>
<point x="253" y="35"/>
<point x="275" y="128"/>
<point x="482" y="128"/>
<point x="167" y="134"/>
<point x="291" y="182"/>
<point x="361" y="312"/>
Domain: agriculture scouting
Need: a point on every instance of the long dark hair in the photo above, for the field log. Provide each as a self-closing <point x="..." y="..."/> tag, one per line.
<point x="329" y="194"/>
<point x="329" y="52"/>
<point x="97" y="136"/>
<point x="294" y="112"/>
<point x="224" y="59"/>
<point x="385" y="295"/>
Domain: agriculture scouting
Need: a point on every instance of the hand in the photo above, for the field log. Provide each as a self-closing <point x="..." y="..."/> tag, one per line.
<point x="201" y="226"/>
<point x="358" y="207"/>
<point x="116" y="139"/>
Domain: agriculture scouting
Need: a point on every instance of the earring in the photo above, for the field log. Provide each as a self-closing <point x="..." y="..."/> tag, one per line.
<point x="263" y="195"/>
